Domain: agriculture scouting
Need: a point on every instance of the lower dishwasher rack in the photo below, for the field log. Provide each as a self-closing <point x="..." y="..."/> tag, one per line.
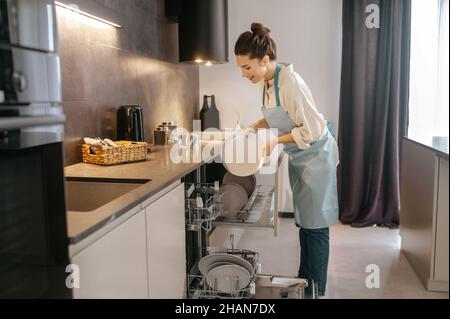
<point x="198" y="287"/>
<point x="261" y="286"/>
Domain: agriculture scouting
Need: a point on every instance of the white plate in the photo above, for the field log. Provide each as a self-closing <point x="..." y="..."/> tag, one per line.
<point x="241" y="157"/>
<point x="234" y="197"/>
<point x="228" y="278"/>
<point x="212" y="266"/>
<point x="205" y="263"/>
<point x="248" y="182"/>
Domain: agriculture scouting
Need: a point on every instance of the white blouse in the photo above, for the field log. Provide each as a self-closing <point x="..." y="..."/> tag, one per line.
<point x="298" y="102"/>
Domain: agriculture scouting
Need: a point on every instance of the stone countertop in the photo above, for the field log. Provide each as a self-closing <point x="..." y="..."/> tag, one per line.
<point x="158" y="167"/>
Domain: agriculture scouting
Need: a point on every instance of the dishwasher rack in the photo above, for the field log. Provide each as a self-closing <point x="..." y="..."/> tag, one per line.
<point x="204" y="204"/>
<point x="200" y="289"/>
<point x="204" y="213"/>
<point x="205" y="208"/>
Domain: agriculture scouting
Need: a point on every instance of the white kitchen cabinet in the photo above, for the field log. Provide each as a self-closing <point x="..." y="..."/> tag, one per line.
<point x="115" y="266"/>
<point x="166" y="246"/>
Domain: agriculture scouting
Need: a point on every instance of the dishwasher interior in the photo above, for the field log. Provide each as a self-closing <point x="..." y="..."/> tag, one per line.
<point x="204" y="212"/>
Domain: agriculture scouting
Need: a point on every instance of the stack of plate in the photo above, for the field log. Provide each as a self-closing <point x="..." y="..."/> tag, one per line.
<point x="234" y="197"/>
<point x="226" y="273"/>
<point x="236" y="191"/>
<point x="247" y="182"/>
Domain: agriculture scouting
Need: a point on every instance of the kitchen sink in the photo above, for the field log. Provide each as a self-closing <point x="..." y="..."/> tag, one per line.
<point x="88" y="194"/>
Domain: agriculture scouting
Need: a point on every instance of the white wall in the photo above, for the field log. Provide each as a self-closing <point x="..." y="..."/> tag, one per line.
<point x="308" y="34"/>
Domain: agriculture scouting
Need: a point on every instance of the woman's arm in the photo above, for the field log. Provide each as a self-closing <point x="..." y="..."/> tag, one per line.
<point x="262" y="123"/>
<point x="284" y="139"/>
<point x="287" y="138"/>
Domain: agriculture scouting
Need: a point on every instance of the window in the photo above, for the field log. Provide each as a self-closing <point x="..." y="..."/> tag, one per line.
<point x="429" y="82"/>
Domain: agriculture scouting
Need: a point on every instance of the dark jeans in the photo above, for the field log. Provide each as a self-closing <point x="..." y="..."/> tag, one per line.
<point x="314" y="252"/>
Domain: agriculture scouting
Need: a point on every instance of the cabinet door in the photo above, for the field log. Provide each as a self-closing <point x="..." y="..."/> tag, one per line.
<point x="166" y="248"/>
<point x="442" y="237"/>
<point x="115" y="266"/>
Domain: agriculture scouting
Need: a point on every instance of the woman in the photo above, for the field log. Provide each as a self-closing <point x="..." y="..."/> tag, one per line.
<point x="289" y="107"/>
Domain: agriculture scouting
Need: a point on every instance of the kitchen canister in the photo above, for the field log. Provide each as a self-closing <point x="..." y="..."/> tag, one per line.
<point x="160" y="136"/>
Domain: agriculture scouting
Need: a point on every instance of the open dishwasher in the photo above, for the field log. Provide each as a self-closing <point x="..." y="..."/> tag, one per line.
<point x="227" y="280"/>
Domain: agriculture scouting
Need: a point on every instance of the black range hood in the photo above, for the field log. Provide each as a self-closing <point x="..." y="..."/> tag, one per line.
<point x="202" y="30"/>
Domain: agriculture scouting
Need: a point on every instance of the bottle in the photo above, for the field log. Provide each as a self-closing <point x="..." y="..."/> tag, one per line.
<point x="209" y="115"/>
<point x="204" y="111"/>
<point x="214" y="114"/>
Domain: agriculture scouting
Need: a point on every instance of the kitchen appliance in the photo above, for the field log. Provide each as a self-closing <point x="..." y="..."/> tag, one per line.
<point x="33" y="230"/>
<point x="130" y="123"/>
<point x="207" y="278"/>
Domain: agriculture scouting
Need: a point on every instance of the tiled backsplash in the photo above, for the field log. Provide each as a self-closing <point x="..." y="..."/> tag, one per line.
<point x="104" y="67"/>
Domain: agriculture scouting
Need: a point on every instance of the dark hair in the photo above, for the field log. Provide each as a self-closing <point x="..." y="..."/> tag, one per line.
<point x="256" y="43"/>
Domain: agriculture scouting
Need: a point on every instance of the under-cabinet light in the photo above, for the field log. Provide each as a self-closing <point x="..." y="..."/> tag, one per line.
<point x="73" y="6"/>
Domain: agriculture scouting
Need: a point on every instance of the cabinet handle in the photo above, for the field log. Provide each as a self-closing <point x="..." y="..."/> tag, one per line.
<point x="19" y="81"/>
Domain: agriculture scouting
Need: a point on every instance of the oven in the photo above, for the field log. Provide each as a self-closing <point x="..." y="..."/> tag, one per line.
<point x="33" y="230"/>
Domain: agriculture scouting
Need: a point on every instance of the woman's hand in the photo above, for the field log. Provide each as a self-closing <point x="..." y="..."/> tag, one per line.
<point x="262" y="123"/>
<point x="247" y="130"/>
<point x="269" y="146"/>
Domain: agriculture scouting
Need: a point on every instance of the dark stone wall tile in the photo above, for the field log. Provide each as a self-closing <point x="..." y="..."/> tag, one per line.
<point x="76" y="69"/>
<point x="117" y="5"/>
<point x="81" y="122"/>
<point x="103" y="68"/>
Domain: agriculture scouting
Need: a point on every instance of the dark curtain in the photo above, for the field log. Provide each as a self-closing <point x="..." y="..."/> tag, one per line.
<point x="373" y="111"/>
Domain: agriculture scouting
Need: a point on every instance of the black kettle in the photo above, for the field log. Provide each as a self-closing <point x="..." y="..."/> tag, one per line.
<point x="130" y="123"/>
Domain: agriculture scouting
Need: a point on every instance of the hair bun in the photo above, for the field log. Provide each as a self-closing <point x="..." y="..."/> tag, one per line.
<point x="260" y="30"/>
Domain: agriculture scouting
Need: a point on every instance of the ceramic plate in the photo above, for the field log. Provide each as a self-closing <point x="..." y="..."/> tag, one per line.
<point x="228" y="278"/>
<point x="214" y="265"/>
<point x="241" y="157"/>
<point x="206" y="262"/>
<point x="234" y="197"/>
<point x="247" y="182"/>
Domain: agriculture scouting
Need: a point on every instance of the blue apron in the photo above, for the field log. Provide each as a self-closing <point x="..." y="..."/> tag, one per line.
<point x="312" y="172"/>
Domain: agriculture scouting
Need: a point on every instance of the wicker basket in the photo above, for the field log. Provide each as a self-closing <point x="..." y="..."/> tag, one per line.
<point x="126" y="152"/>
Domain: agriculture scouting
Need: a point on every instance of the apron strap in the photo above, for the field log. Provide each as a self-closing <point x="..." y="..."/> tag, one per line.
<point x="277" y="96"/>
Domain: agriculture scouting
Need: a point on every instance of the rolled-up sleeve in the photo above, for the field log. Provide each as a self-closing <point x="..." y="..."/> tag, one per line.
<point x="298" y="102"/>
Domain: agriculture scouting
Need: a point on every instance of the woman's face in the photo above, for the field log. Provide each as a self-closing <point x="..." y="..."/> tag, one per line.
<point x="252" y="69"/>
